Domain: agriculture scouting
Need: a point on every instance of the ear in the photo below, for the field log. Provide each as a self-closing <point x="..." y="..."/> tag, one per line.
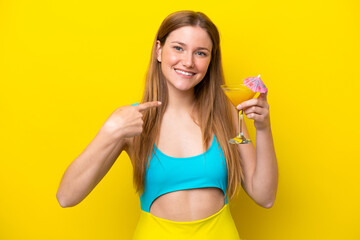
<point x="158" y="50"/>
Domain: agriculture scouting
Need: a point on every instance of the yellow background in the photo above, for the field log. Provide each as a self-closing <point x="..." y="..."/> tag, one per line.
<point x="65" y="66"/>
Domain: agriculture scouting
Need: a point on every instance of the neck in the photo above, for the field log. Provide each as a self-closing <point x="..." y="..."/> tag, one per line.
<point x="180" y="101"/>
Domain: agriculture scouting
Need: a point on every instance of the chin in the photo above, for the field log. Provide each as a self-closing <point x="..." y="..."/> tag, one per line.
<point x="184" y="88"/>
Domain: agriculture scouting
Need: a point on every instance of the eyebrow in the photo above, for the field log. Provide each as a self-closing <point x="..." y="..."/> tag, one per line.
<point x="183" y="44"/>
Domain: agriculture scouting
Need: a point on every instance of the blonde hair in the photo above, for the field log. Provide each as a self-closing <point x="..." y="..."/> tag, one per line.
<point x="213" y="107"/>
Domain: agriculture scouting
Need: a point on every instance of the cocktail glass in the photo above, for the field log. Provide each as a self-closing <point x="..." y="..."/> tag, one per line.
<point x="238" y="93"/>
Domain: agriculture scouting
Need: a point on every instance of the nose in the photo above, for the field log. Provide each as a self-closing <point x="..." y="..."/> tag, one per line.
<point x="188" y="60"/>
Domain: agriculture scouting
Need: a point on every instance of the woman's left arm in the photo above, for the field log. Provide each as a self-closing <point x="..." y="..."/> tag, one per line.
<point x="260" y="165"/>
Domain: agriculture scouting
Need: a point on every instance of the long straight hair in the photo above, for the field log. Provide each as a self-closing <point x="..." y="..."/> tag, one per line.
<point x="211" y="104"/>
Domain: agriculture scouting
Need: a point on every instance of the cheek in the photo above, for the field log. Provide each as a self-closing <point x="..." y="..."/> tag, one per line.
<point x="173" y="59"/>
<point x="204" y="65"/>
<point x="169" y="57"/>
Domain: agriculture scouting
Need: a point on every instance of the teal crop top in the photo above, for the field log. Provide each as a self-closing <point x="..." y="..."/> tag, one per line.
<point x="168" y="174"/>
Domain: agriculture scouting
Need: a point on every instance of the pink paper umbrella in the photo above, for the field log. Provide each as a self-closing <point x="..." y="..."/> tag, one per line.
<point x="255" y="84"/>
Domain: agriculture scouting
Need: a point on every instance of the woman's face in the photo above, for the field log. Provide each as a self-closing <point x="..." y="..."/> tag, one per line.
<point x="185" y="57"/>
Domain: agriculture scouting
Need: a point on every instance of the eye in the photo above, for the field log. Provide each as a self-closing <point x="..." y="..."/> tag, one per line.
<point x="201" y="54"/>
<point x="178" y="48"/>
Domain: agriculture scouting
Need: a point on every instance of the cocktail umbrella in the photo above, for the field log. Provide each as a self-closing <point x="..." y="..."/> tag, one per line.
<point x="255" y="84"/>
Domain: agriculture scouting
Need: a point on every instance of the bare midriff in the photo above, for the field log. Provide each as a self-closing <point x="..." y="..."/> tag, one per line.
<point x="188" y="205"/>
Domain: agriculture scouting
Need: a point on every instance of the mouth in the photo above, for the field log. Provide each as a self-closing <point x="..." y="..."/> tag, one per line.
<point x="185" y="73"/>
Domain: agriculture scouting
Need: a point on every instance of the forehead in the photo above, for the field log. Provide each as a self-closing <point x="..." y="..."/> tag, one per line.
<point x="191" y="36"/>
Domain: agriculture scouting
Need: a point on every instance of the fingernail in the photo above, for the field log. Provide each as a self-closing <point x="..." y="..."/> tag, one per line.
<point x="239" y="107"/>
<point x="159" y="102"/>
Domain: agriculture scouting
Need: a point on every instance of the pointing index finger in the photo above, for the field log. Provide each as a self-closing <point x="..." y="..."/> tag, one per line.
<point x="144" y="106"/>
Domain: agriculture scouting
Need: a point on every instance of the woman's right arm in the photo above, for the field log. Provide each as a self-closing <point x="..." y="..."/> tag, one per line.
<point x="87" y="170"/>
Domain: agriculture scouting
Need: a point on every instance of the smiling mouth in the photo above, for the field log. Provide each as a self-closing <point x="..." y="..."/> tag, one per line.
<point x="184" y="73"/>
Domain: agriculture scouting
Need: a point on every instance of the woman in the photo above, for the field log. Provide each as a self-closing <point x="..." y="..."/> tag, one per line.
<point x="184" y="169"/>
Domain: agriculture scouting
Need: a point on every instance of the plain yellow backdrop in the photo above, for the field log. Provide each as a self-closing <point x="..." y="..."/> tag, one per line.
<point x="65" y="66"/>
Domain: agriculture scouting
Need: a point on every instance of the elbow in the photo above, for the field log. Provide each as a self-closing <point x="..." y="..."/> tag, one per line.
<point x="62" y="201"/>
<point x="267" y="201"/>
<point x="268" y="205"/>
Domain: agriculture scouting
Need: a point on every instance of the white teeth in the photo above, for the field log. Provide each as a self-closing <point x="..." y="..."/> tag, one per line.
<point x="185" y="73"/>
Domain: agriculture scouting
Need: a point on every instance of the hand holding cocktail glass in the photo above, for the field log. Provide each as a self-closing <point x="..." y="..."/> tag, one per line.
<point x="238" y="93"/>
